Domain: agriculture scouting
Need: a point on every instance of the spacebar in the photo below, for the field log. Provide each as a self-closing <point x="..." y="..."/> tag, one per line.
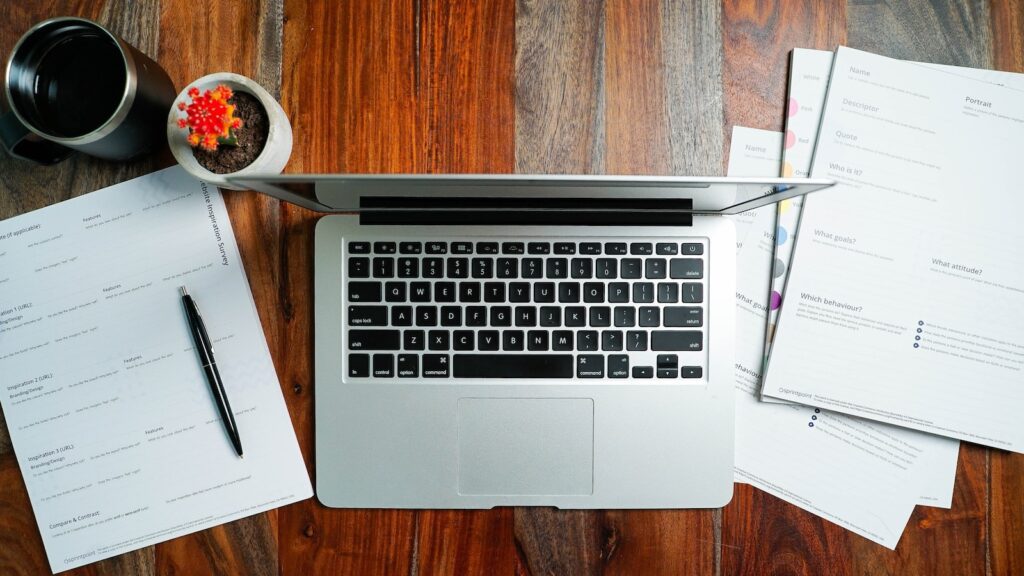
<point x="512" y="366"/>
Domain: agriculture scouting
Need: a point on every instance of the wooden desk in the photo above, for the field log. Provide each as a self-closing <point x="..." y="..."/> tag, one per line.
<point x="630" y="86"/>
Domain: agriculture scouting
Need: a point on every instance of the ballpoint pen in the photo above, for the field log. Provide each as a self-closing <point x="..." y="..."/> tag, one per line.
<point x="204" y="350"/>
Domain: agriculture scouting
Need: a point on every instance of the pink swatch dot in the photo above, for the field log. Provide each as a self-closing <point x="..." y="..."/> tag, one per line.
<point x="776" y="300"/>
<point x="792" y="107"/>
<point x="790" y="139"/>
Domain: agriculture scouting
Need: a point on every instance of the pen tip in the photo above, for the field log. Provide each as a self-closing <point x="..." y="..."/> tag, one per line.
<point x="183" y="291"/>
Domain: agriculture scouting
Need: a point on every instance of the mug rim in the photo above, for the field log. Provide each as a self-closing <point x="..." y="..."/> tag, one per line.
<point x="115" y="119"/>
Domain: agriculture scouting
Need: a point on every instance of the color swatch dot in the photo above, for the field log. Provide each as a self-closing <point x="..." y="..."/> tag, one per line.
<point x="792" y="107"/>
<point x="787" y="170"/>
<point x="776" y="300"/>
<point x="784" y="206"/>
<point x="790" y="139"/>
<point x="781" y="236"/>
<point x="779" y="269"/>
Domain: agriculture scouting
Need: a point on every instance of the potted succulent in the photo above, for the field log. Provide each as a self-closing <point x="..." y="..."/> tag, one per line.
<point x="225" y="125"/>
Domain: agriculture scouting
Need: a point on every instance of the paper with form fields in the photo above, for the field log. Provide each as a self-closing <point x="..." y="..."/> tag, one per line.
<point x="112" y="421"/>
<point x="907" y="286"/>
<point x="862" y="475"/>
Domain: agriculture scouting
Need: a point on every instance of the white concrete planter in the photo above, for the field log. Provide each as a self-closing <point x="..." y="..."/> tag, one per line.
<point x="279" y="139"/>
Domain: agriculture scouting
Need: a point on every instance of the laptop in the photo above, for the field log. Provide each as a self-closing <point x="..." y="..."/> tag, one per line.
<point x="500" y="340"/>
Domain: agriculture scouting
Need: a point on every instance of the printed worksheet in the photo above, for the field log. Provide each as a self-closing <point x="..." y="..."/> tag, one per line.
<point x="805" y="455"/>
<point x="906" y="294"/>
<point x="112" y="420"/>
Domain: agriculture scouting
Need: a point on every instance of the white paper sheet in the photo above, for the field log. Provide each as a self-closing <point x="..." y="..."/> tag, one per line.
<point x="112" y="421"/>
<point x="856" y="473"/>
<point x="911" y="290"/>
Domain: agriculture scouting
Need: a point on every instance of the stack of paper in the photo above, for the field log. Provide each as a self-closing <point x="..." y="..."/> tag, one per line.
<point x="899" y="327"/>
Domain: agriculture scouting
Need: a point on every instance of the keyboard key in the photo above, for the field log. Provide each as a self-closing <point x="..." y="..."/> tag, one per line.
<point x="533" y="268"/>
<point x="654" y="268"/>
<point x="419" y="291"/>
<point x="668" y="366"/>
<point x="618" y="366"/>
<point x="692" y="249"/>
<point x="586" y="340"/>
<point x="476" y="316"/>
<point x="463" y="340"/>
<point x="593" y="292"/>
<point x="488" y="339"/>
<point x="512" y="248"/>
<point x="383" y="365"/>
<point x="367" y="315"/>
<point x="590" y="366"/>
<point x="650" y="316"/>
<point x="557" y="268"/>
<point x="359" y="364"/>
<point x="565" y="248"/>
<point x="408" y="365"/>
<point x="611" y="340"/>
<point x="487" y="247"/>
<point x="394" y="291"/>
<point x="636" y="341"/>
<point x="458" y="267"/>
<point x="607" y="268"/>
<point x="438" y="340"/>
<point x="688" y="316"/>
<point x="410" y="247"/>
<point x="538" y="248"/>
<point x="692" y="372"/>
<point x="512" y="340"/>
<point x="507" y="268"/>
<point x="631" y="268"/>
<point x="494" y="292"/>
<point x="358" y="247"/>
<point x="600" y="316"/>
<point x="384" y="247"/>
<point x="526" y="316"/>
<point x="426" y="315"/>
<point x="451" y="316"/>
<point x="689" y="268"/>
<point x="641" y="249"/>
<point x="444" y="291"/>
<point x="364" y="291"/>
<point x="615" y="248"/>
<point x="501" y="316"/>
<point x="537" y="340"/>
<point x="643" y="372"/>
<point x="544" y="292"/>
<point x="373" y="339"/>
<point x="519" y="292"/>
<point x="575" y="316"/>
<point x="684" y="340"/>
<point x="693" y="293"/>
<point x="550" y="316"/>
<point x="358" y="267"/>
<point x="436" y="366"/>
<point x="643" y="292"/>
<point x="462" y="247"/>
<point x="581" y="268"/>
<point x="408" y="268"/>
<point x="469" y="291"/>
<point x="666" y="249"/>
<point x="401" y="315"/>
<point x="414" y="339"/>
<point x="483" y="267"/>
<point x="433" y="267"/>
<point x="590" y="248"/>
<point x="624" y="316"/>
<point x="562" y="340"/>
<point x="668" y="292"/>
<point x="568" y="292"/>
<point x="383" y="267"/>
<point x="618" y="292"/>
<point x="437" y="247"/>
<point x="513" y="366"/>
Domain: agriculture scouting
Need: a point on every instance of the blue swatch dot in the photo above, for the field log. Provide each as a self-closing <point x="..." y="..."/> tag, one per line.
<point x="780" y="236"/>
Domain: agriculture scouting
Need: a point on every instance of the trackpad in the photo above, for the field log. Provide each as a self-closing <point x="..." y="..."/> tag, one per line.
<point x="526" y="446"/>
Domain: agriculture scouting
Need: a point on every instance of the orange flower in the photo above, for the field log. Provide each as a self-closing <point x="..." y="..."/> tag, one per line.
<point x="193" y="139"/>
<point x="209" y="142"/>
<point x="193" y="92"/>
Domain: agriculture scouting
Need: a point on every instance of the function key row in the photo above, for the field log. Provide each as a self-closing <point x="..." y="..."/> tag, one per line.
<point x="540" y="248"/>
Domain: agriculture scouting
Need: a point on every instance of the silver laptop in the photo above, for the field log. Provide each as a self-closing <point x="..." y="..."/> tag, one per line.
<point x="557" y="341"/>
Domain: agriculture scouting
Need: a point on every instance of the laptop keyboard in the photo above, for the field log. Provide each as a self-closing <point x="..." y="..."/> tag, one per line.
<point x="525" y="308"/>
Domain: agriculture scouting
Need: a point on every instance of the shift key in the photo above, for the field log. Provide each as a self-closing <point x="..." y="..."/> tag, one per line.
<point x="681" y="340"/>
<point x="374" y="339"/>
